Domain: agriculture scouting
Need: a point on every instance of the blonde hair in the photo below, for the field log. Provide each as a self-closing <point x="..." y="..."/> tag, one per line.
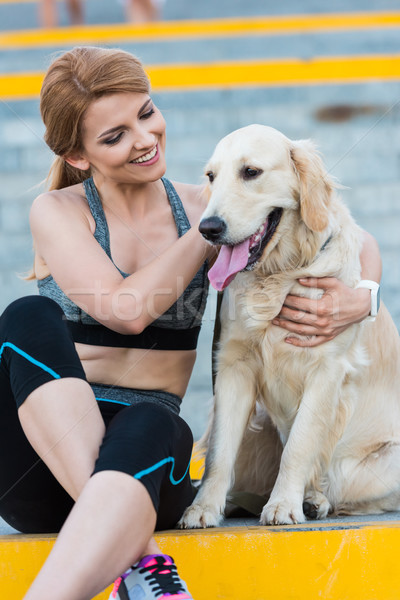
<point x="72" y="82"/>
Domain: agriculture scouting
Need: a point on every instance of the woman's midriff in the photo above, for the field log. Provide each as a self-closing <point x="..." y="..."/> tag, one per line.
<point x="136" y="368"/>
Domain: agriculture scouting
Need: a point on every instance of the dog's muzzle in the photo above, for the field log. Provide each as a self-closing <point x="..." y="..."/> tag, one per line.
<point x="213" y="229"/>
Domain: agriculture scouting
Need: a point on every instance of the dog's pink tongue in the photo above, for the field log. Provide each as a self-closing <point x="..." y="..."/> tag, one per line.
<point x="231" y="260"/>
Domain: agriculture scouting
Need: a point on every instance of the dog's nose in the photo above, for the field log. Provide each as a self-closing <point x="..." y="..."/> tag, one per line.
<point x="212" y="228"/>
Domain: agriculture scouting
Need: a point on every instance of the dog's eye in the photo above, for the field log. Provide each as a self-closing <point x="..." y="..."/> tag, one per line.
<point x="250" y="172"/>
<point x="210" y="176"/>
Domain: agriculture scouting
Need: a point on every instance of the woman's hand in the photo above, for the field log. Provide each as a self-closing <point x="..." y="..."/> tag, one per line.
<point x="323" y="319"/>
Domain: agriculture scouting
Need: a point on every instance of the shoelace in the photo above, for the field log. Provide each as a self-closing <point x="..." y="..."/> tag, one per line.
<point x="163" y="578"/>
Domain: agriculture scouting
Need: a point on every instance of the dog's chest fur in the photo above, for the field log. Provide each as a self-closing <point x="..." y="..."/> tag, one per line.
<point x="282" y="369"/>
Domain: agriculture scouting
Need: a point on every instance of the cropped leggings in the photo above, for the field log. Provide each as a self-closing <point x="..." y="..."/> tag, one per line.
<point x="145" y="439"/>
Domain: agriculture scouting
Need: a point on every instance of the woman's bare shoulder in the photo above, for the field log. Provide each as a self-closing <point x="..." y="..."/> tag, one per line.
<point x="66" y="203"/>
<point x="71" y="196"/>
<point x="194" y="199"/>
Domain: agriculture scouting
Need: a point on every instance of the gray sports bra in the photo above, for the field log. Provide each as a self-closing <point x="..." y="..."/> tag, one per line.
<point x="177" y="329"/>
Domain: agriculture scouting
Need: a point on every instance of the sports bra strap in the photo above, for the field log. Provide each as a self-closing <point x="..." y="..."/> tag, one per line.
<point x="180" y="216"/>
<point x="102" y="233"/>
<point x="151" y="338"/>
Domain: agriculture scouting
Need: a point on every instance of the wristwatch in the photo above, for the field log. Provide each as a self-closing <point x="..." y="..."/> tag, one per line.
<point x="375" y="296"/>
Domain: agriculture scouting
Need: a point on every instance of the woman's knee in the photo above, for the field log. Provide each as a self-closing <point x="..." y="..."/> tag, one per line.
<point x="30" y="309"/>
<point x="156" y="421"/>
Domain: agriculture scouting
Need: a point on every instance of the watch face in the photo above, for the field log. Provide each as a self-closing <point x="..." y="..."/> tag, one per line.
<point x="378" y="298"/>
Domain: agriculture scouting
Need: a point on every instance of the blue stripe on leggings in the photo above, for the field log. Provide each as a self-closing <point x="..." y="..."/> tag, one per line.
<point x="30" y="358"/>
<point x="113" y="401"/>
<point x="160" y="464"/>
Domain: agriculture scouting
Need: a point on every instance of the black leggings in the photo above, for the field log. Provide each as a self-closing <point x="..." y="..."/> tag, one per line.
<point x="145" y="440"/>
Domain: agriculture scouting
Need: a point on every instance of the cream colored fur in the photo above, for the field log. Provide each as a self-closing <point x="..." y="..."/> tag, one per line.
<point x="319" y="424"/>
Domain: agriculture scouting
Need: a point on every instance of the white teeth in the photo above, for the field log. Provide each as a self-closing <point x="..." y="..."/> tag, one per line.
<point x="260" y="229"/>
<point x="147" y="156"/>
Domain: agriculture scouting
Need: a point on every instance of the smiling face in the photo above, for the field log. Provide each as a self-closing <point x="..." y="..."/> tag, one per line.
<point x="123" y="136"/>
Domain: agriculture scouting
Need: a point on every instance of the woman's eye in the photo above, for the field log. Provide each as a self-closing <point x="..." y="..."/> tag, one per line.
<point x="114" y="140"/>
<point x="148" y="114"/>
<point x="210" y="176"/>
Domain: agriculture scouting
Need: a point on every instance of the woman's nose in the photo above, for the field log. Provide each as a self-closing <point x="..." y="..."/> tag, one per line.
<point x="144" y="139"/>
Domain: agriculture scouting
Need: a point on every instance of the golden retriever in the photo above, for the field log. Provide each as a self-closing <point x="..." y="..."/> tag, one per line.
<point x="305" y="427"/>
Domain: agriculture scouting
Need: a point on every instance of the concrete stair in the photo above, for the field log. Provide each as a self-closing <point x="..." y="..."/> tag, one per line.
<point x="243" y="561"/>
<point x="335" y="559"/>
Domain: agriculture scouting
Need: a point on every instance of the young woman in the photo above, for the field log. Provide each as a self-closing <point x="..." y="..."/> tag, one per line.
<point x="97" y="364"/>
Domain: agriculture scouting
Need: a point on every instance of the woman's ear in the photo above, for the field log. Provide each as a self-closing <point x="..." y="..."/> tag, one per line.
<point x="315" y="187"/>
<point x="77" y="161"/>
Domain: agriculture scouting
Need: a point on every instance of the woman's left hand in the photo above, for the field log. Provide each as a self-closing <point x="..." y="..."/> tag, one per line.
<point x="322" y="320"/>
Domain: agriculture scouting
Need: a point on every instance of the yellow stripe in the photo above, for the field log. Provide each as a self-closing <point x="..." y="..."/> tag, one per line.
<point x="196" y="464"/>
<point x="167" y="30"/>
<point x="21" y="86"/>
<point x="358" y="562"/>
<point x="223" y="75"/>
<point x="260" y="73"/>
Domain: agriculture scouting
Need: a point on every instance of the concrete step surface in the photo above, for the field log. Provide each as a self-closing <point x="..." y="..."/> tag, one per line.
<point x="337" y="560"/>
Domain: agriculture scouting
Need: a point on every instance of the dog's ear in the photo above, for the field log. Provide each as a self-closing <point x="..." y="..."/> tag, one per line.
<point x="315" y="184"/>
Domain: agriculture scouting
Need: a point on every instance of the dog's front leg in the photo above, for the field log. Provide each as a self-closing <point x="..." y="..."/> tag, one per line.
<point x="234" y="401"/>
<point x="316" y="429"/>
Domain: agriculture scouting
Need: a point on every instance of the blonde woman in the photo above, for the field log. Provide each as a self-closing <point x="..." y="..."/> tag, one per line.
<point x="92" y="371"/>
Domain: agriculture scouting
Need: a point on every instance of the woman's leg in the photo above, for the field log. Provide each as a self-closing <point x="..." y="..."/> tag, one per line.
<point x="48" y="13"/>
<point x="114" y="518"/>
<point x="63" y="424"/>
<point x="31" y="499"/>
<point x="141" y="11"/>
<point x="75" y="11"/>
<point x="36" y="353"/>
<point x="56" y="406"/>
<point x="108" y="530"/>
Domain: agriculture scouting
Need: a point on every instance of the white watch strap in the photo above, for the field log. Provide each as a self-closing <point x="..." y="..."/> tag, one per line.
<point x="374" y="287"/>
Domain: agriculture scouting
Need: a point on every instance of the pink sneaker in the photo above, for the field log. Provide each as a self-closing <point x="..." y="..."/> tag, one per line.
<point x="154" y="577"/>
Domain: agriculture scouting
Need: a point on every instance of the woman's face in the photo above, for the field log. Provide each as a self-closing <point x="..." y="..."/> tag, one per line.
<point x="124" y="138"/>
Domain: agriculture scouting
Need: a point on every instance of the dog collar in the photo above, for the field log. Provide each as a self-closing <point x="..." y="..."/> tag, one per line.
<point x="326" y="242"/>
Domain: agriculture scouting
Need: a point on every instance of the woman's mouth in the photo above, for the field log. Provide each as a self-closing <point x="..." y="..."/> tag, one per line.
<point x="147" y="159"/>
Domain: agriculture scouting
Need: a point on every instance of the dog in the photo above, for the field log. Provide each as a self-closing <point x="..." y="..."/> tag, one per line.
<point x="307" y="428"/>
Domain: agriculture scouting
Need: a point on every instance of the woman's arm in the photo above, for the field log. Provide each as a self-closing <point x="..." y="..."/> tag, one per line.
<point x="81" y="268"/>
<point x="339" y="307"/>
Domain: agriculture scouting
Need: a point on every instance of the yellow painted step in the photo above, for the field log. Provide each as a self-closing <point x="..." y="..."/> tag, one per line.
<point x="261" y="25"/>
<point x="357" y="561"/>
<point x="239" y="74"/>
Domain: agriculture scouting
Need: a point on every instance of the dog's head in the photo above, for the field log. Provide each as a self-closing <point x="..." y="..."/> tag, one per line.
<point x="261" y="186"/>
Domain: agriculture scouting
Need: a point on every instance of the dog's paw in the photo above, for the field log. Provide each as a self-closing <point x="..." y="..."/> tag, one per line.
<point x="282" y="512"/>
<point x="316" y="505"/>
<point x="198" y="516"/>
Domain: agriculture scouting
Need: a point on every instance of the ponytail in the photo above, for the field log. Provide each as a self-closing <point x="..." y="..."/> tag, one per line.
<point x="62" y="174"/>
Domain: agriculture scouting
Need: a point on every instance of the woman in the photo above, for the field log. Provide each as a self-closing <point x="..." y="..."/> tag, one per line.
<point x="115" y="251"/>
